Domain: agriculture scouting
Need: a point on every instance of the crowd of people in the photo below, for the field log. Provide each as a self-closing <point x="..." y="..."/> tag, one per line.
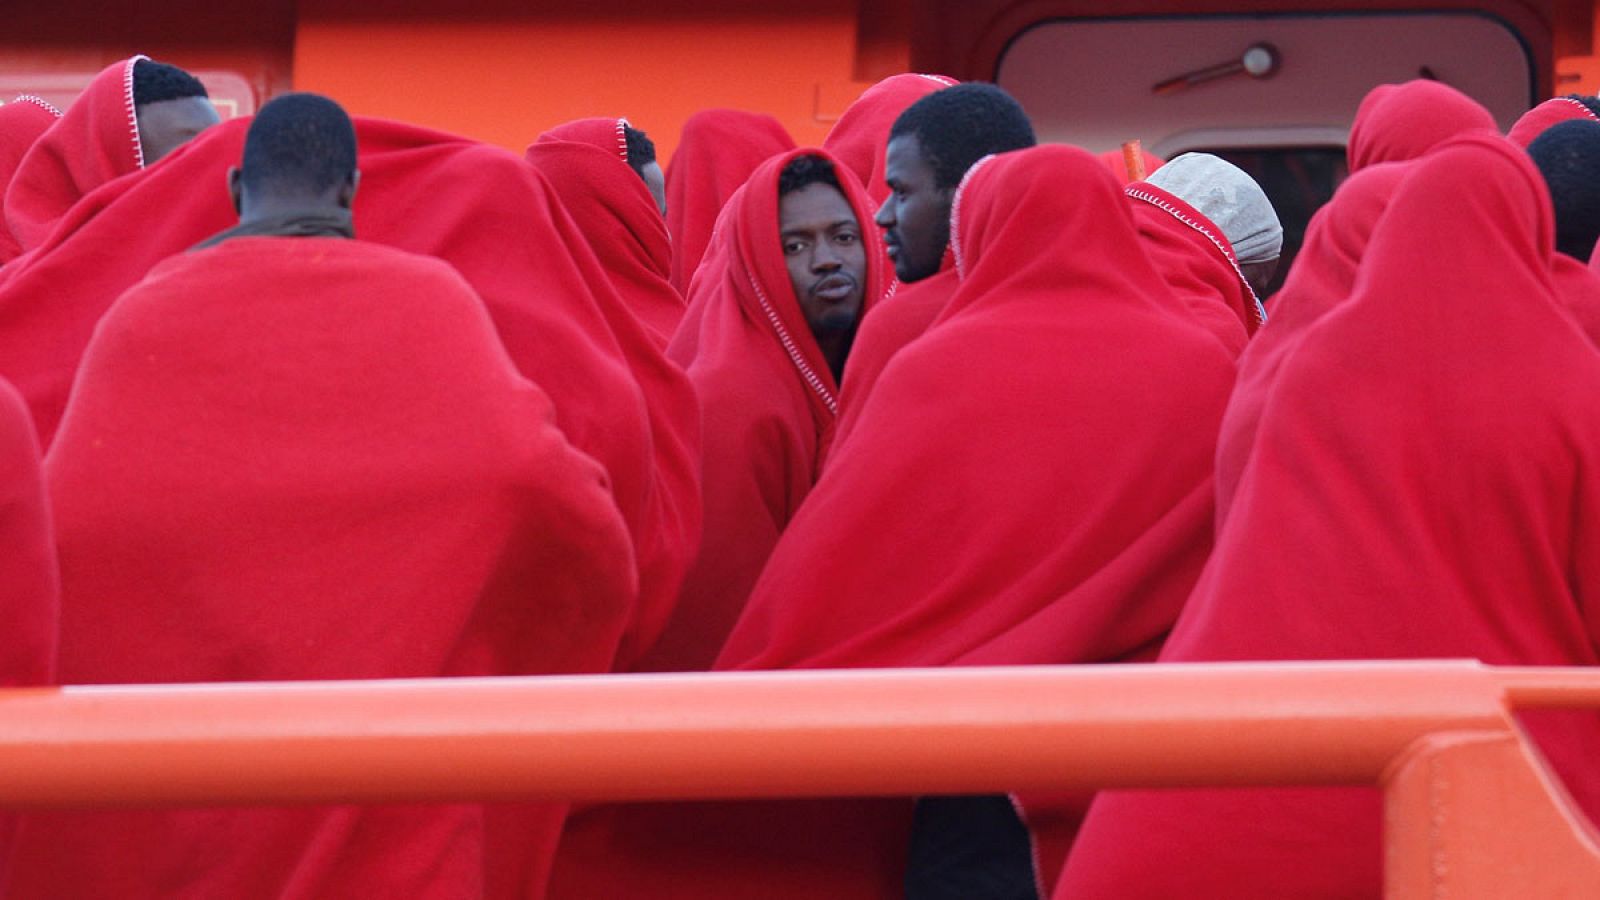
<point x="307" y="396"/>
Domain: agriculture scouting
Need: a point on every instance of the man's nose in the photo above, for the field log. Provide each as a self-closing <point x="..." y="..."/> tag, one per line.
<point x="825" y="257"/>
<point x="885" y="218"/>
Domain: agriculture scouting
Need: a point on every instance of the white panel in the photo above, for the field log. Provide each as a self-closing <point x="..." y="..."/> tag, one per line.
<point x="1088" y="81"/>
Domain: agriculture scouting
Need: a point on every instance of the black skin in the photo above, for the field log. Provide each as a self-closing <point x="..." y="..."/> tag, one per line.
<point x="166" y="125"/>
<point x="916" y="217"/>
<point x="278" y="202"/>
<point x="827" y="264"/>
<point x="1259" y="275"/>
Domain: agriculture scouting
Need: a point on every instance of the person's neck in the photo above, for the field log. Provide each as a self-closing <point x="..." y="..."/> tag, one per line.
<point x="261" y="212"/>
<point x="835" y="348"/>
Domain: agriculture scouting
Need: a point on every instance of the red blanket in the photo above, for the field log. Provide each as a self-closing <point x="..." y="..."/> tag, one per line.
<point x="586" y="163"/>
<point x="617" y="397"/>
<point x="1437" y="500"/>
<point x="22" y="121"/>
<point x="311" y="458"/>
<point x="1543" y="117"/>
<point x="1397" y="122"/>
<point x="717" y="151"/>
<point x="29" y="587"/>
<point x="1578" y="290"/>
<point x="1323" y="275"/>
<point x="96" y="141"/>
<point x="901" y="318"/>
<point x="861" y="135"/>
<point x="1196" y="261"/>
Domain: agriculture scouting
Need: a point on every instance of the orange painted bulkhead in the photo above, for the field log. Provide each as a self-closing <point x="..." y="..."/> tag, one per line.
<point x="504" y="71"/>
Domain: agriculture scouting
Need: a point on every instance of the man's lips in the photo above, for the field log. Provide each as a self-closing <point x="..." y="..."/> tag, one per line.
<point x="834" y="287"/>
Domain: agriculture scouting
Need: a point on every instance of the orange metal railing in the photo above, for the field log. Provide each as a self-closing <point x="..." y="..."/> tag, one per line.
<point x="1470" y="807"/>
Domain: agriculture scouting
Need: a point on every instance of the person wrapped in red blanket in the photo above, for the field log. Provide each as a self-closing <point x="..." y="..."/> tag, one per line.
<point x="1438" y="500"/>
<point x="717" y="151"/>
<point x="132" y="114"/>
<point x="1397" y="122"/>
<point x="1322" y="278"/>
<point x="291" y="455"/>
<point x="605" y="173"/>
<point x="22" y="121"/>
<point x="1552" y="112"/>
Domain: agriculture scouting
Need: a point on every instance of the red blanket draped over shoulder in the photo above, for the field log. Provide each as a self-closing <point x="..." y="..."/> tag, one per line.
<point x="29" y="585"/>
<point x="1397" y="122"/>
<point x="1323" y="276"/>
<point x="1197" y="263"/>
<point x="1546" y="115"/>
<point x="617" y="398"/>
<point x="95" y="142"/>
<point x="861" y="136"/>
<point x="29" y="588"/>
<point x="717" y="151"/>
<point x="311" y="458"/>
<point x="22" y="121"/>
<point x="902" y="317"/>
<point x="586" y="163"/>
<point x="1020" y="461"/>
<point x="1439" y="500"/>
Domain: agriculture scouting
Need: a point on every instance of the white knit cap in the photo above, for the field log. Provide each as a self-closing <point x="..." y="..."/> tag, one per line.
<point x="1223" y="193"/>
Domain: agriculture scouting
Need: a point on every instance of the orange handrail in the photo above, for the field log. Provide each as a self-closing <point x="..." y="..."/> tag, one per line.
<point x="734" y="735"/>
<point x="795" y="734"/>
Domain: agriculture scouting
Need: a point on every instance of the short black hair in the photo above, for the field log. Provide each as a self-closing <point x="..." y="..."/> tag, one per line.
<point x="959" y="125"/>
<point x="804" y="171"/>
<point x="299" y="142"/>
<point x="154" y="82"/>
<point x="1592" y="104"/>
<point x="1568" y="156"/>
<point x="641" y="150"/>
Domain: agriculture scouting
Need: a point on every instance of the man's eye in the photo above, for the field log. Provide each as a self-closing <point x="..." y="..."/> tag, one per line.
<point x="793" y="247"/>
<point x="846" y="238"/>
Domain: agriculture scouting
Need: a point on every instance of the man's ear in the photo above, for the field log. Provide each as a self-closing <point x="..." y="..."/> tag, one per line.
<point x="235" y="188"/>
<point x="347" y="191"/>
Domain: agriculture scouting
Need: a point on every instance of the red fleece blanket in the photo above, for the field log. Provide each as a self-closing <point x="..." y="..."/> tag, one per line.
<point x="1197" y="263"/>
<point x="1398" y="122"/>
<point x="1546" y="115"/>
<point x="901" y="318"/>
<point x="1438" y="500"/>
<point x="1322" y="278"/>
<point x="311" y="458"/>
<point x="861" y="136"/>
<point x="586" y="163"/>
<point x="95" y="142"/>
<point x="22" y="121"/>
<point x="717" y="151"/>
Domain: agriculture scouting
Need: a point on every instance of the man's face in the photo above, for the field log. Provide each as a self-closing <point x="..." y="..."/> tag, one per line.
<point x="916" y="217"/>
<point x="827" y="261"/>
<point x="169" y="124"/>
